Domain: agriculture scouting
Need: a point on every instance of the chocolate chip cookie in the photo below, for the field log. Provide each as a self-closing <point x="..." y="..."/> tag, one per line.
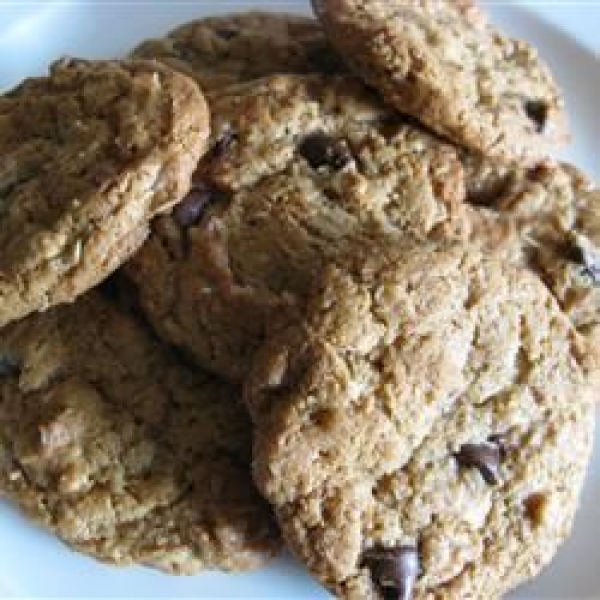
<point x="547" y="218"/>
<point x="424" y="430"/>
<point x="440" y="61"/>
<point x="89" y="154"/>
<point x="302" y="170"/>
<point x="218" y="51"/>
<point x="112" y="443"/>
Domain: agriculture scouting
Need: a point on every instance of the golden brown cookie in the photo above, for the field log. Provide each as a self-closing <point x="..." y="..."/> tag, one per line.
<point x="121" y="450"/>
<point x="301" y="171"/>
<point x="90" y="154"/>
<point x="424" y="429"/>
<point x="441" y="62"/>
<point x="547" y="218"/>
<point x="219" y="51"/>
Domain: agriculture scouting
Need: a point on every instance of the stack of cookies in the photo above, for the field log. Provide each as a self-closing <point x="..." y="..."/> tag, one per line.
<point x="316" y="282"/>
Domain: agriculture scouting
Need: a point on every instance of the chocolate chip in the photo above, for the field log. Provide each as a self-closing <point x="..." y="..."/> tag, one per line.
<point x="9" y="367"/>
<point x="190" y="210"/>
<point x="222" y="144"/>
<point x="486" y="457"/>
<point x="226" y="33"/>
<point x="537" y="111"/>
<point x="394" y="570"/>
<point x="322" y="150"/>
<point x="539" y="173"/>
<point x="489" y="193"/>
<point x="391" y="126"/>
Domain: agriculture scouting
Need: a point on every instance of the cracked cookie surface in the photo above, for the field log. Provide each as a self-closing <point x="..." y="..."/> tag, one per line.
<point x="546" y="218"/>
<point x="127" y="455"/>
<point x="425" y="427"/>
<point x="301" y="171"/>
<point x="441" y="62"/>
<point x="219" y="51"/>
<point x="90" y="154"/>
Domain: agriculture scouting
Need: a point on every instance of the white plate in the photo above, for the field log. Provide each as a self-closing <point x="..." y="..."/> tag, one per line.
<point x="33" y="563"/>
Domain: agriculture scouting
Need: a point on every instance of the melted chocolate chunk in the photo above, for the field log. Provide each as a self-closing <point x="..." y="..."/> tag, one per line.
<point x="537" y="111"/>
<point x="190" y="210"/>
<point x="223" y="144"/>
<point x="226" y="33"/>
<point x="9" y="367"/>
<point x="322" y="150"/>
<point x="538" y="173"/>
<point x="485" y="457"/>
<point x="489" y="193"/>
<point x="394" y="570"/>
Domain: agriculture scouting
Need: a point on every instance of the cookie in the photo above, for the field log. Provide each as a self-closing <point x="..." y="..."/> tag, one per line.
<point x="301" y="171"/>
<point x="219" y="51"/>
<point x="424" y="430"/>
<point x="547" y="218"/>
<point x="441" y="62"/>
<point x="122" y="451"/>
<point x="90" y="154"/>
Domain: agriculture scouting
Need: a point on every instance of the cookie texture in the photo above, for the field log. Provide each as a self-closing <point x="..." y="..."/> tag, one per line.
<point x="301" y="171"/>
<point x="219" y="51"/>
<point x="423" y="432"/>
<point x="441" y="62"/>
<point x="109" y="441"/>
<point x="90" y="154"/>
<point x="546" y="218"/>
